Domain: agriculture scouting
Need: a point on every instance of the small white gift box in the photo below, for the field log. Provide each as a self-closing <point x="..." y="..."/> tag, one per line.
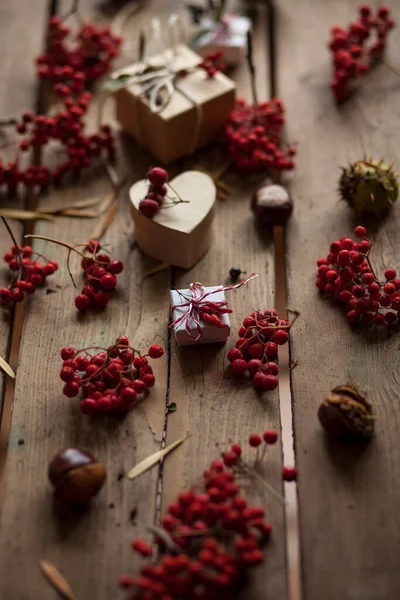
<point x="189" y="328"/>
<point x="228" y="35"/>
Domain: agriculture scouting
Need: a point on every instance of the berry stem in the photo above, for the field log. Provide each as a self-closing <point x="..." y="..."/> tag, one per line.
<point x="389" y="66"/>
<point x="70" y="248"/>
<point x="13" y="240"/>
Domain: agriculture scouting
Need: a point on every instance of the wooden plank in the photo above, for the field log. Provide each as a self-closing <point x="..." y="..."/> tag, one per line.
<point x="17" y="94"/>
<point x="211" y="407"/>
<point x="350" y="527"/>
<point x="91" y="548"/>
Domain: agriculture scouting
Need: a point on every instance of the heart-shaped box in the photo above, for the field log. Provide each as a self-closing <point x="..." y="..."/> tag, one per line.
<point x="182" y="234"/>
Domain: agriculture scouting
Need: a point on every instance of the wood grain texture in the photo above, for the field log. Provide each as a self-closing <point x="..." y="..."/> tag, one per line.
<point x="348" y="494"/>
<point x="92" y="548"/>
<point x="17" y="93"/>
<point x="212" y="407"/>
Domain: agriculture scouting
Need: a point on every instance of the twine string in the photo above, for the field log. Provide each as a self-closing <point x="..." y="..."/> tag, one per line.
<point x="197" y="299"/>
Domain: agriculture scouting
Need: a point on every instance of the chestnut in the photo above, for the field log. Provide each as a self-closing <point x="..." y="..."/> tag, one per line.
<point x="346" y="412"/>
<point x="76" y="475"/>
<point x="272" y="205"/>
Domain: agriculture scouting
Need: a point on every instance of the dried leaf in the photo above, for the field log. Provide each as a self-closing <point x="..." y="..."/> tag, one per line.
<point x="74" y="212"/>
<point x="6" y="368"/>
<point x="87" y="203"/>
<point x="152" y="460"/>
<point x="57" y="580"/>
<point x="25" y="215"/>
<point x="157" y="269"/>
<point x="104" y="225"/>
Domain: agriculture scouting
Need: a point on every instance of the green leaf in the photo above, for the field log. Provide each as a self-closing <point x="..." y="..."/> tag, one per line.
<point x="111" y="85"/>
<point x="199" y="35"/>
<point x="172" y="407"/>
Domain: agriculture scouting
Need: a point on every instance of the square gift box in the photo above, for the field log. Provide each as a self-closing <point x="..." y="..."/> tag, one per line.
<point x="228" y="35"/>
<point x="209" y="333"/>
<point x="197" y="109"/>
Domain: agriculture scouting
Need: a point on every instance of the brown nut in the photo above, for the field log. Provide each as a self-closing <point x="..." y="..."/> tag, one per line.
<point x="76" y="475"/>
<point x="272" y="205"/>
<point x="346" y="412"/>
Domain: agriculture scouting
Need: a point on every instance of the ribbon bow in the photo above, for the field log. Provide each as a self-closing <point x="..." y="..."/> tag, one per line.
<point x="196" y="302"/>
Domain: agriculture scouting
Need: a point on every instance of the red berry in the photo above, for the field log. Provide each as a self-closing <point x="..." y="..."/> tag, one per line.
<point x="281" y="337"/>
<point x="88" y="406"/>
<point x="82" y="302"/>
<point x="158" y="176"/>
<point x="67" y="373"/>
<point x="149" y="380"/>
<point x="115" y="267"/>
<point x="230" y="458"/>
<point x="239" y="366"/>
<point x="71" y="389"/>
<point x="156" y="351"/>
<point x="390" y="274"/>
<point x="139" y="386"/>
<point x="108" y="281"/>
<point x="255" y="440"/>
<point x="101" y="299"/>
<point x="234" y="354"/>
<point x="237" y="449"/>
<point x="270" y="436"/>
<point x="289" y="473"/>
<point x="148" y="207"/>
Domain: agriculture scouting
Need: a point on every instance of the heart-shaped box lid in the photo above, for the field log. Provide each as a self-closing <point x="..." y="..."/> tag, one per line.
<point x="181" y="234"/>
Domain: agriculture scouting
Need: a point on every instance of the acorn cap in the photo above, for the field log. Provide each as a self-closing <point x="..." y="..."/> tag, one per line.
<point x="346" y="412"/>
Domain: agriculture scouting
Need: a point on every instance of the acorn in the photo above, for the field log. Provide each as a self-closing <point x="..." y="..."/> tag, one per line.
<point x="76" y="475"/>
<point x="369" y="187"/>
<point x="346" y="412"/>
<point x="272" y="205"/>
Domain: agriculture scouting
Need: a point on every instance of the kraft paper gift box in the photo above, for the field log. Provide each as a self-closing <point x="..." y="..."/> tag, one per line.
<point x="210" y="334"/>
<point x="197" y="109"/>
<point x="228" y="35"/>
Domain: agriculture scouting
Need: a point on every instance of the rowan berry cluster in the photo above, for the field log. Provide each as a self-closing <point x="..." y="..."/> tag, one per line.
<point x="100" y="277"/>
<point x="352" y="57"/>
<point x="111" y="380"/>
<point x="253" y="132"/>
<point x="346" y="274"/>
<point x="259" y="337"/>
<point x="66" y="127"/>
<point x="212" y="64"/>
<point x="28" y="273"/>
<point x="77" y="58"/>
<point x="156" y="195"/>
<point x="209" y="538"/>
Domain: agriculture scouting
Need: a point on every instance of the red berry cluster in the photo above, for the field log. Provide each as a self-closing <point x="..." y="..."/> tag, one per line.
<point x="212" y="63"/>
<point x="85" y="59"/>
<point x="352" y="58"/>
<point x="111" y="379"/>
<point x="27" y="273"/>
<point x="100" y="277"/>
<point x="347" y="275"/>
<point x="157" y="194"/>
<point x="155" y="197"/>
<point x="257" y="347"/>
<point x="68" y="128"/>
<point x="210" y="539"/>
<point x="253" y="132"/>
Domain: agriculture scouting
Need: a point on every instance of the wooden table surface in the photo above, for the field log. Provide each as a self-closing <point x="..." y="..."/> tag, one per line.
<point x="348" y="497"/>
